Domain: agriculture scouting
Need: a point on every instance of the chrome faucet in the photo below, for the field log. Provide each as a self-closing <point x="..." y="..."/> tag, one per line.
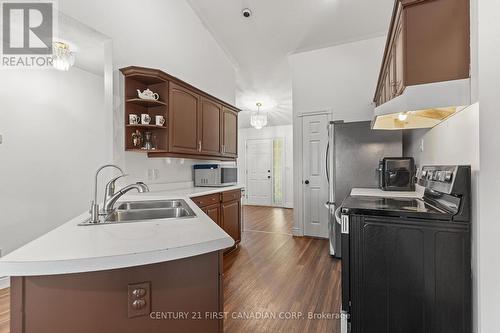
<point x="94" y="207"/>
<point x="110" y="197"/>
<point x="110" y="202"/>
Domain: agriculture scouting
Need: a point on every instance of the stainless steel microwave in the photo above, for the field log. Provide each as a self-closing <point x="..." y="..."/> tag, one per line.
<point x="215" y="175"/>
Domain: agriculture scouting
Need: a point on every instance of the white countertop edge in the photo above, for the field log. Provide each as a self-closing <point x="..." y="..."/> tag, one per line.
<point x="112" y="262"/>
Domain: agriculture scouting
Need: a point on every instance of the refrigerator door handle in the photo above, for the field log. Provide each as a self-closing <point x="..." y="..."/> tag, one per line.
<point x="327" y="161"/>
<point x="338" y="218"/>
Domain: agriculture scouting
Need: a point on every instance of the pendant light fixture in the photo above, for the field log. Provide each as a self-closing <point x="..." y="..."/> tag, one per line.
<point x="258" y="120"/>
<point x="62" y="57"/>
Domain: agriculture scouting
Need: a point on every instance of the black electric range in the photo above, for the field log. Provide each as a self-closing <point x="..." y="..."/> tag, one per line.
<point x="406" y="261"/>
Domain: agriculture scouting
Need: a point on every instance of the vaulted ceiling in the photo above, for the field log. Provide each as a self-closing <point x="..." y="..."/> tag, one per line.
<point x="258" y="46"/>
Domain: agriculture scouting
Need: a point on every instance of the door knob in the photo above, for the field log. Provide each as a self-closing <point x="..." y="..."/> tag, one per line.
<point x="306" y="182"/>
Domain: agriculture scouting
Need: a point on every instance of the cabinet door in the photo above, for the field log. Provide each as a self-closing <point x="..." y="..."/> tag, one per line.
<point x="231" y="219"/>
<point x="184" y="110"/>
<point x="210" y="127"/>
<point x="387" y="84"/>
<point x="229" y="132"/>
<point x="213" y="212"/>
<point x="399" y="58"/>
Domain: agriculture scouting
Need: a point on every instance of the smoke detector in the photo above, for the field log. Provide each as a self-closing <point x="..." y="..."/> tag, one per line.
<point x="246" y="13"/>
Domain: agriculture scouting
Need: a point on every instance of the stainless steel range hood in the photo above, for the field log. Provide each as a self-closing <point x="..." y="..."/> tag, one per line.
<point x="423" y="106"/>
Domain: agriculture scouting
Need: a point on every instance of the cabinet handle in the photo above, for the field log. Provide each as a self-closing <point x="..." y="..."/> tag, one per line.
<point x="199" y="146"/>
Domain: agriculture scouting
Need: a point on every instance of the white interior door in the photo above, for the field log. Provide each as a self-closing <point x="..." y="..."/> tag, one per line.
<point x="260" y="172"/>
<point x="315" y="183"/>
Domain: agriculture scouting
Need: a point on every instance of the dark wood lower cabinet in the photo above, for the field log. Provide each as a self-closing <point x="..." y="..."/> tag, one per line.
<point x="225" y="210"/>
<point x="409" y="276"/>
<point x="231" y="219"/>
<point x="179" y="294"/>
<point x="213" y="212"/>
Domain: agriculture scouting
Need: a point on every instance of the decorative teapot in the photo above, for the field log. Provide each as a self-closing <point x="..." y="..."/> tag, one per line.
<point x="148" y="94"/>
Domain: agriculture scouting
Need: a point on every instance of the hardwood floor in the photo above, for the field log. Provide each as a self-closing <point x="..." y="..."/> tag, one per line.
<point x="4" y="310"/>
<point x="273" y="273"/>
<point x="267" y="219"/>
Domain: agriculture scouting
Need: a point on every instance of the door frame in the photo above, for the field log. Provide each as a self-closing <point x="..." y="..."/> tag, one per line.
<point x="283" y="170"/>
<point x="298" y="175"/>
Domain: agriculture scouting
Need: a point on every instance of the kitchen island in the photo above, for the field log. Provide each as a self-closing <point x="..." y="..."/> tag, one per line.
<point x="148" y="276"/>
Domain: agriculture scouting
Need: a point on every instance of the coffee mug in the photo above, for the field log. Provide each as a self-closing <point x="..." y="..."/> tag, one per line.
<point x="145" y="119"/>
<point x="160" y="120"/>
<point x="133" y="119"/>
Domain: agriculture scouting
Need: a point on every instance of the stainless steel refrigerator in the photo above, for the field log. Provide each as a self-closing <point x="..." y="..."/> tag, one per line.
<point x="353" y="154"/>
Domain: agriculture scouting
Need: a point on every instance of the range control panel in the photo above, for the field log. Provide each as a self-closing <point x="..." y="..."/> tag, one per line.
<point x="439" y="178"/>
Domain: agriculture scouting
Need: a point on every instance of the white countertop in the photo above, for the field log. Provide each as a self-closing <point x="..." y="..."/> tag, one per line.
<point x="376" y="192"/>
<point x="75" y="249"/>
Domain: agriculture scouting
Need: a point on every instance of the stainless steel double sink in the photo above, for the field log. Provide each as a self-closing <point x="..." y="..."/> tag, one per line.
<point x="143" y="211"/>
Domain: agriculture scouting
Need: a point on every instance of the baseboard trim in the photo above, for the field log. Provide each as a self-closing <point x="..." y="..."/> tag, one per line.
<point x="4" y="282"/>
<point x="297" y="232"/>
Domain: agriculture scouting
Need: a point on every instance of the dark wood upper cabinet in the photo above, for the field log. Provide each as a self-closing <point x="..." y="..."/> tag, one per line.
<point x="197" y="125"/>
<point x="210" y="128"/>
<point x="184" y="117"/>
<point x="428" y="42"/>
<point x="229" y="133"/>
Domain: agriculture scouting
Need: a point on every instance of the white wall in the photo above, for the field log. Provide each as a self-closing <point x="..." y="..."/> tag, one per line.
<point x="285" y="132"/>
<point x="342" y="78"/>
<point x="339" y="80"/>
<point x="55" y="133"/>
<point x="163" y="34"/>
<point x="58" y="127"/>
<point x="489" y="180"/>
<point x="454" y="141"/>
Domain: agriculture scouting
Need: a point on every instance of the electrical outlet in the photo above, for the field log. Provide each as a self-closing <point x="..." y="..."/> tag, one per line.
<point x="139" y="299"/>
<point x="421" y="148"/>
<point x="156" y="174"/>
<point x="150" y="174"/>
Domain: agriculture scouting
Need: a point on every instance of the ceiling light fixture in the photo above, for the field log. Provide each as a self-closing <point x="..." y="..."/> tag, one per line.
<point x="258" y="120"/>
<point x="403" y="116"/>
<point x="62" y="57"/>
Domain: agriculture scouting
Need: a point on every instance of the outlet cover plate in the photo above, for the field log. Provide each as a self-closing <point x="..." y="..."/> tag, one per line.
<point x="134" y="296"/>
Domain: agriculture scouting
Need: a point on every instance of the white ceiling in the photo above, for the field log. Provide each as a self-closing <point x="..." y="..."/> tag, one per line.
<point x="258" y="46"/>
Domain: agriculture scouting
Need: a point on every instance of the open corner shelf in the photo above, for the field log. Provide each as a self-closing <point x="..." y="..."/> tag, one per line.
<point x="146" y="126"/>
<point x="145" y="102"/>
<point x="138" y="150"/>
